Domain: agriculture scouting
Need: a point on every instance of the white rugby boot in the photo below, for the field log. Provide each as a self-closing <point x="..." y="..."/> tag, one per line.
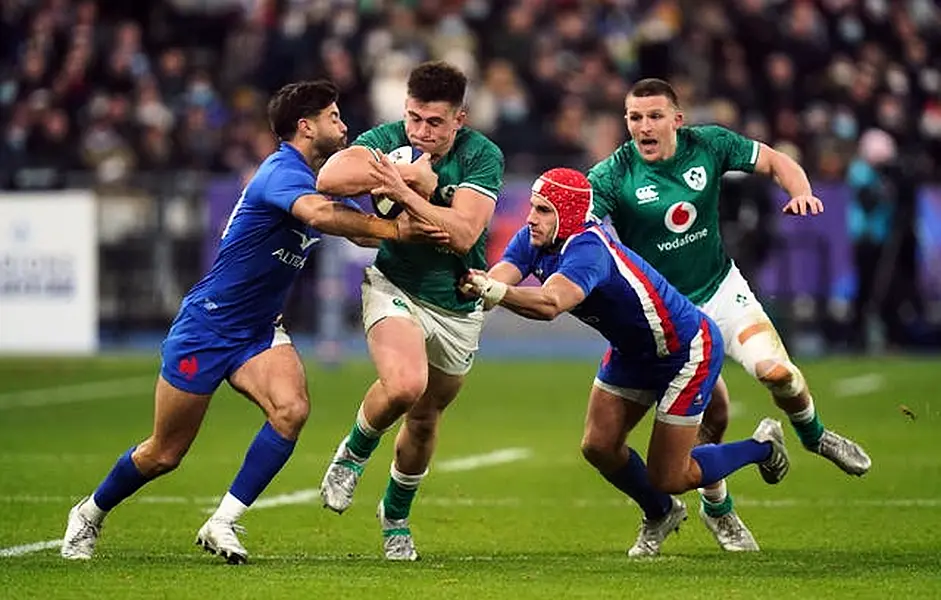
<point x="843" y="452"/>
<point x="218" y="536"/>
<point x="777" y="465"/>
<point x="397" y="542"/>
<point x="339" y="482"/>
<point x="81" y="535"/>
<point x="652" y="533"/>
<point x="730" y="531"/>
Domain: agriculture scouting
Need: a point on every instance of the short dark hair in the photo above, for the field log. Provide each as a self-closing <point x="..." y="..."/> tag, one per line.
<point x="645" y="88"/>
<point x="296" y="101"/>
<point x="437" y="81"/>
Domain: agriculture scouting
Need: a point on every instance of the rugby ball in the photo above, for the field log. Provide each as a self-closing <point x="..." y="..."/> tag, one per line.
<point x="383" y="206"/>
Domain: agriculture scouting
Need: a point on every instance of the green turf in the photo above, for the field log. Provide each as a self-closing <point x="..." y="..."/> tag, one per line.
<point x="544" y="527"/>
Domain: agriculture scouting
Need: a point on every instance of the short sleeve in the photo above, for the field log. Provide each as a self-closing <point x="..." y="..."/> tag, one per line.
<point x="483" y="169"/>
<point x="605" y="183"/>
<point x="585" y="262"/>
<point x="734" y="151"/>
<point x="285" y="186"/>
<point x="520" y="253"/>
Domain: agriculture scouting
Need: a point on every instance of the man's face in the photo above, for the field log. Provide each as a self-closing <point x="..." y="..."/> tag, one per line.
<point x="327" y="130"/>
<point x="431" y="126"/>
<point x="652" y="122"/>
<point x="543" y="221"/>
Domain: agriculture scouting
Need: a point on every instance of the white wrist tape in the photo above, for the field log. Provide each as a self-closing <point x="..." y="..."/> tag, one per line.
<point x="491" y="290"/>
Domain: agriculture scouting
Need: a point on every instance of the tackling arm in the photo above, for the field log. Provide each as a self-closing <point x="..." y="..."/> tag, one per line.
<point x="557" y="295"/>
<point x="505" y="272"/>
<point x="338" y="219"/>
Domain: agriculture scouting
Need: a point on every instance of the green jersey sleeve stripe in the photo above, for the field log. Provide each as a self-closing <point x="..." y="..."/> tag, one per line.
<point x="482" y="190"/>
<point x="754" y="152"/>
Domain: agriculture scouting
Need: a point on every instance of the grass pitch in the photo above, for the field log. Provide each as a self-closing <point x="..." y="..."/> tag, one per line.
<point x="539" y="524"/>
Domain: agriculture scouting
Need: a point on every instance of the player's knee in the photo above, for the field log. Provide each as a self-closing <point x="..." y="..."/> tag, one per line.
<point x="289" y="417"/>
<point x="153" y="461"/>
<point x="404" y="391"/>
<point x="599" y="453"/>
<point x="781" y="377"/>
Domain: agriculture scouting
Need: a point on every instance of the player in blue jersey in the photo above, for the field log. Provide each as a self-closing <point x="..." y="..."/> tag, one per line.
<point x="228" y="325"/>
<point x="663" y="352"/>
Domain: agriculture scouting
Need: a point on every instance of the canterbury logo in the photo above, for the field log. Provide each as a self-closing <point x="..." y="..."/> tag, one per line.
<point x="306" y="241"/>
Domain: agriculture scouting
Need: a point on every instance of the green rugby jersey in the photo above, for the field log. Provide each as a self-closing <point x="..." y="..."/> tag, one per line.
<point x="668" y="211"/>
<point x="430" y="273"/>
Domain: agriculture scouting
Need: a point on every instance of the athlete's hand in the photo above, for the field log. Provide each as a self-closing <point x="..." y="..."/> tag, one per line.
<point x="478" y="284"/>
<point x="389" y="181"/>
<point x="799" y="205"/>
<point x="411" y="229"/>
<point x="419" y="176"/>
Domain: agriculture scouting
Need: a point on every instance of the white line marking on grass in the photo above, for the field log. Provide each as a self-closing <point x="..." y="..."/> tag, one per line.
<point x="78" y="392"/>
<point x="859" y="386"/>
<point x="29" y="548"/>
<point x="476" y="461"/>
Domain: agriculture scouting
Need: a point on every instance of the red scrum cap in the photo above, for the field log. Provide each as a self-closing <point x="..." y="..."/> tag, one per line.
<point x="569" y="193"/>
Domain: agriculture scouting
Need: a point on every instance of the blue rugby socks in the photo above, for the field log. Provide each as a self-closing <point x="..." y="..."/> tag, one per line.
<point x="632" y="480"/>
<point x="716" y="461"/>
<point x="121" y="482"/>
<point x="266" y="456"/>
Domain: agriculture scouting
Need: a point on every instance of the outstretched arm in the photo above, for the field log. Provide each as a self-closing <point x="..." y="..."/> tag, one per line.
<point x="557" y="295"/>
<point x="791" y="177"/>
<point x="505" y="272"/>
<point x="336" y="218"/>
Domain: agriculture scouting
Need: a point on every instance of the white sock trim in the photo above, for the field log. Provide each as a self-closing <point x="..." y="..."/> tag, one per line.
<point x="364" y="425"/>
<point x="804" y="416"/>
<point x="715" y="495"/>
<point x="230" y="509"/>
<point x="404" y="479"/>
<point x="91" y="511"/>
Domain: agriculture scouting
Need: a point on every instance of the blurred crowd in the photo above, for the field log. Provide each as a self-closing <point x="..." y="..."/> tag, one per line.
<point x="119" y="87"/>
<point x="129" y="91"/>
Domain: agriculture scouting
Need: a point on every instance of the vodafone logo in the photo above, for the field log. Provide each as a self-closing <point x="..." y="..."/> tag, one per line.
<point x="680" y="217"/>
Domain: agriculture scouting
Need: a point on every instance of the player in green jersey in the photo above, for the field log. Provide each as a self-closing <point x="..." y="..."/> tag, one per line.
<point x="422" y="335"/>
<point x="661" y="191"/>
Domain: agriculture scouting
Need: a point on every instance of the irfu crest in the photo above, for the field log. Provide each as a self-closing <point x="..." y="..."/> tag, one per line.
<point x="696" y="178"/>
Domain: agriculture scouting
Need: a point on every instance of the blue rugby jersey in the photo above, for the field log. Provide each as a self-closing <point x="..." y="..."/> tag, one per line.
<point x="263" y="248"/>
<point x="626" y="300"/>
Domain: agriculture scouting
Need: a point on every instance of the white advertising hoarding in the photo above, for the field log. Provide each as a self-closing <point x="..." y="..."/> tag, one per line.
<point x="48" y="273"/>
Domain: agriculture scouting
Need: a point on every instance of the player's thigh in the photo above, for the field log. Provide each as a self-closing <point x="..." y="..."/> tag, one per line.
<point x="611" y="415"/>
<point x="669" y="452"/>
<point x="748" y="333"/>
<point x="193" y="364"/>
<point x="394" y="336"/>
<point x="271" y="374"/>
<point x="178" y="415"/>
<point x="620" y="397"/>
